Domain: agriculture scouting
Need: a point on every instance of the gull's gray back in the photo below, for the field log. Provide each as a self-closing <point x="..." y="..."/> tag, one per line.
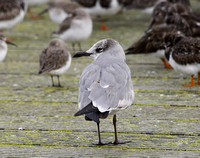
<point x="107" y="84"/>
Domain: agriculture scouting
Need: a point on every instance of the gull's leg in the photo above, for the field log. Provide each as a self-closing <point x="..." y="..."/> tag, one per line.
<point x="99" y="135"/>
<point x="115" y="129"/>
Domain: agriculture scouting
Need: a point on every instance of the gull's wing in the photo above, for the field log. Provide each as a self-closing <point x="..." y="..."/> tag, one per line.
<point x="108" y="88"/>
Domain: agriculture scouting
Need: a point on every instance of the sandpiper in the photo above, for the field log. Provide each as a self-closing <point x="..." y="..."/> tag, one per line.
<point x="75" y="28"/>
<point x="55" y="59"/>
<point x="11" y="13"/>
<point x="59" y="10"/>
<point x="183" y="54"/>
<point x="3" y="46"/>
<point x="105" y="84"/>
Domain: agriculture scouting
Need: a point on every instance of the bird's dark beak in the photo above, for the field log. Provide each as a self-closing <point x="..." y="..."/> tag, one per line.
<point x="43" y="12"/>
<point x="8" y="42"/>
<point x="80" y="54"/>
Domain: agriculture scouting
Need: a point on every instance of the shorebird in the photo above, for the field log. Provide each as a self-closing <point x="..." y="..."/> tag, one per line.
<point x="152" y="42"/>
<point x="75" y="28"/>
<point x="34" y="3"/>
<point x="4" y="47"/>
<point x="105" y="84"/>
<point x="11" y="13"/>
<point x="183" y="54"/>
<point x="102" y="8"/>
<point x="59" y="10"/>
<point x="55" y="59"/>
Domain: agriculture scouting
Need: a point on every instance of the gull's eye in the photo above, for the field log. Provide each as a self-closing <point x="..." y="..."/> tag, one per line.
<point x="99" y="50"/>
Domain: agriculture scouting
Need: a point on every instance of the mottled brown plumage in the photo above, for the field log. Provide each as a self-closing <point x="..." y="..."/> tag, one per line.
<point x="86" y="3"/>
<point x="55" y="59"/>
<point x="180" y="23"/>
<point x="159" y="13"/>
<point x="9" y="9"/>
<point x="141" y="4"/>
<point x="183" y="54"/>
<point x="152" y="41"/>
<point x="103" y="3"/>
<point x="54" y="56"/>
<point x="184" y="50"/>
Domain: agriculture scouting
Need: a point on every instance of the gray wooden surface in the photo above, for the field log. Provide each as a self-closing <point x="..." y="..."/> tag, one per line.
<point x="37" y="120"/>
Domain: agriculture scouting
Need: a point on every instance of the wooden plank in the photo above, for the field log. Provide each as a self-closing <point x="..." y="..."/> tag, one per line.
<point x="37" y="120"/>
<point x="77" y="151"/>
<point x="75" y="138"/>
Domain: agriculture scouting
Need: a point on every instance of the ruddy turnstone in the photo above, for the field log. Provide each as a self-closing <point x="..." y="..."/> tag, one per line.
<point x="11" y="13"/>
<point x="153" y="42"/>
<point x="55" y="59"/>
<point x="103" y="8"/>
<point x="3" y="46"/>
<point x="75" y="28"/>
<point x="183" y="54"/>
<point x="105" y="84"/>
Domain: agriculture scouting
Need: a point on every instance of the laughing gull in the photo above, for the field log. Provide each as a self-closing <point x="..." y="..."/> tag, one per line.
<point x="105" y="84"/>
<point x="183" y="54"/>
<point x="11" y="13"/>
<point x="75" y="28"/>
<point x="55" y="59"/>
<point x="3" y="46"/>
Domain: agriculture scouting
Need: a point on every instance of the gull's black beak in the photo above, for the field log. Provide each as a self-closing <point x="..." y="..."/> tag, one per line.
<point x="80" y="54"/>
<point x="8" y="42"/>
<point x="44" y="11"/>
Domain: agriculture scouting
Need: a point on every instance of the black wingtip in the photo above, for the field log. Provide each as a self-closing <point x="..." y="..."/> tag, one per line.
<point x="87" y="109"/>
<point x="78" y="113"/>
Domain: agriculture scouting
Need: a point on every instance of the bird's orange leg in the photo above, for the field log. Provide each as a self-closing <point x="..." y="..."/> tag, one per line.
<point x="166" y="64"/>
<point x="198" y="82"/>
<point x="9" y="39"/>
<point x="33" y="16"/>
<point x="103" y="26"/>
<point x="192" y="82"/>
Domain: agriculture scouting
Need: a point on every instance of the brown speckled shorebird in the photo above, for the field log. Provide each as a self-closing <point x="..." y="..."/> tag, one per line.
<point x="55" y="59"/>
<point x="183" y="54"/>
<point x="11" y="13"/>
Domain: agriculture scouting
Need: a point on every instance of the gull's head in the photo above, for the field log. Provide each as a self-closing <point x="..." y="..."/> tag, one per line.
<point x="106" y="47"/>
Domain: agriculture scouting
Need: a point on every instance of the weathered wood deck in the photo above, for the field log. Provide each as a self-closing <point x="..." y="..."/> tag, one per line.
<point x="37" y="120"/>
